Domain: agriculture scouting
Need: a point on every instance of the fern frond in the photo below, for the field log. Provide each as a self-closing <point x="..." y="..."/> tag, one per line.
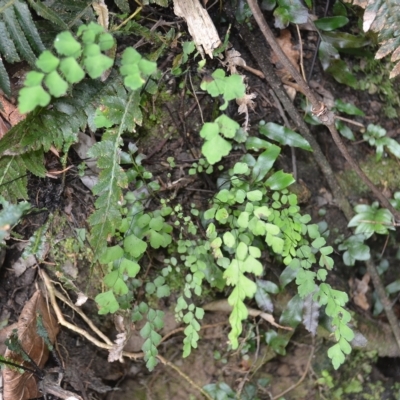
<point x="123" y="5"/>
<point x="18" y="35"/>
<point x="22" y="148"/>
<point x="383" y="17"/>
<point x="20" y="38"/>
<point x="13" y="179"/>
<point x="48" y="14"/>
<point x="107" y="217"/>
<point x="70" y="12"/>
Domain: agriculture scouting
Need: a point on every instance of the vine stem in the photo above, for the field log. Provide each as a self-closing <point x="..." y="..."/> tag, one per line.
<point x="328" y="119"/>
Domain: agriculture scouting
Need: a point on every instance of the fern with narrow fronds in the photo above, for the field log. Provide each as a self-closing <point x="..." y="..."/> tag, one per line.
<point x="20" y="39"/>
<point x="383" y="17"/>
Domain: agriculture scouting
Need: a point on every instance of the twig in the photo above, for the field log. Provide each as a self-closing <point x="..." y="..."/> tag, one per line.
<point x="289" y="389"/>
<point x="107" y="344"/>
<point x="197" y="100"/>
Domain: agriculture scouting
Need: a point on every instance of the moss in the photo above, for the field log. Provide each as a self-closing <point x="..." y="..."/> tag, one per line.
<point x="383" y="174"/>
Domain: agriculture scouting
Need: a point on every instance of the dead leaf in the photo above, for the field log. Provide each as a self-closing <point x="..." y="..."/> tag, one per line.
<point x="233" y="59"/>
<point x="10" y="112"/>
<point x="244" y="104"/>
<point x="359" y="288"/>
<point x="24" y="386"/>
<point x="101" y="10"/>
<point x="285" y="42"/>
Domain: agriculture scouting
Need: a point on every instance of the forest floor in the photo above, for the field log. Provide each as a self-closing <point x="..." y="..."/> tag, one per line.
<point x="253" y="372"/>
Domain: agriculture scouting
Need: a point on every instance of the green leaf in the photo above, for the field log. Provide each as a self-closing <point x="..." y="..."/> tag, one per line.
<point x="34" y="79"/>
<point x="341" y="72"/>
<point x="254" y="195"/>
<point x="215" y="149"/>
<point x="318" y="242"/>
<point x="335" y="353"/>
<point x="284" y="136"/>
<point x="72" y="70"/>
<point x="344" y="130"/>
<point x="114" y="281"/>
<point x="289" y="12"/>
<point x="209" y="130"/>
<point x="231" y="87"/>
<point x="132" y="268"/>
<point x="47" y="62"/>
<point x="280" y="180"/>
<point x="293" y="313"/>
<point x="111" y="254"/>
<point x="227" y="126"/>
<point x="106" y="41"/>
<point x="134" y="246"/>
<point x="305" y="282"/>
<point x="163" y="291"/>
<point x="243" y="220"/>
<point x="241" y="251"/>
<point x="331" y="23"/>
<point x="56" y="85"/>
<point x="371" y="219"/>
<point x="67" y="45"/>
<point x="107" y="302"/>
<point x="96" y="65"/>
<point x="348" y="108"/>
<point x="393" y="287"/>
<point x="264" y="162"/>
<point x="30" y="97"/>
<point x="229" y="239"/>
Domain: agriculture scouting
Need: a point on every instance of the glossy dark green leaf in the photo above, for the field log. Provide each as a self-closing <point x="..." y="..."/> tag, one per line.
<point x="341" y="72"/>
<point x="296" y="14"/>
<point x="255" y="143"/>
<point x="288" y="275"/>
<point x="293" y="313"/>
<point x="393" y="287"/>
<point x="339" y="9"/>
<point x="348" y="108"/>
<point x="280" y="180"/>
<point x="331" y="23"/>
<point x="344" y="130"/>
<point x="264" y="162"/>
<point x="342" y="40"/>
<point x="326" y="54"/>
<point x="284" y="135"/>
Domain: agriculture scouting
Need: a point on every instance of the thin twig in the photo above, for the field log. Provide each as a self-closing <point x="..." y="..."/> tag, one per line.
<point x="289" y="389"/>
<point x="107" y="345"/>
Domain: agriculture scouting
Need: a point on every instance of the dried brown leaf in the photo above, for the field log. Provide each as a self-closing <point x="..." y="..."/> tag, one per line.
<point x="395" y="71"/>
<point x="24" y="386"/>
<point x="232" y="60"/>
<point x="285" y="42"/>
<point x="10" y="112"/>
<point x="101" y="10"/>
<point x="359" y="290"/>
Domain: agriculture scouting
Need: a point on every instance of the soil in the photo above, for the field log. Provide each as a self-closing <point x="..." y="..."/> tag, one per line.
<point x="254" y="371"/>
